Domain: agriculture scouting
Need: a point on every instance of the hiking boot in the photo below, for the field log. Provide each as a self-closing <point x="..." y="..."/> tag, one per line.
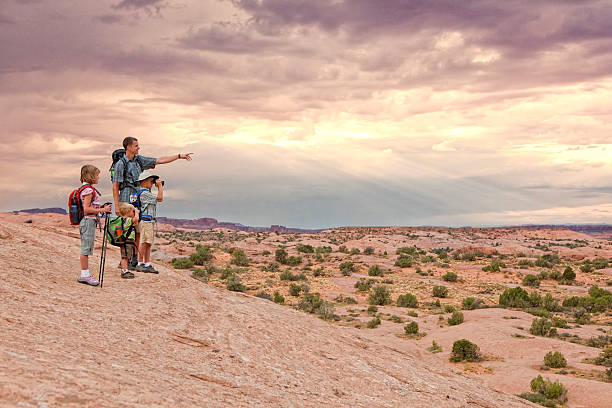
<point x="88" y="280"/>
<point x="149" y="269"/>
<point x="127" y="275"/>
<point x="132" y="267"/>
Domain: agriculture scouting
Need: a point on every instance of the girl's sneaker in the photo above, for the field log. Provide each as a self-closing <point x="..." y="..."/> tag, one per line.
<point x="89" y="280"/>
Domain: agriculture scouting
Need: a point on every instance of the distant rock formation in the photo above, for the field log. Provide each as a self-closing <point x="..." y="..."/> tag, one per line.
<point x="210" y="223"/>
<point x="54" y="210"/>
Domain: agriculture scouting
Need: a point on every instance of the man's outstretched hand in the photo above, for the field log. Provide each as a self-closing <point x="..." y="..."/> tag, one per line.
<point x="186" y="156"/>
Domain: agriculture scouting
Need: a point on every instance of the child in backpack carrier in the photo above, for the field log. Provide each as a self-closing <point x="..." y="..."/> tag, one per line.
<point x="147" y="202"/>
<point x="90" y="199"/>
<point x="130" y="215"/>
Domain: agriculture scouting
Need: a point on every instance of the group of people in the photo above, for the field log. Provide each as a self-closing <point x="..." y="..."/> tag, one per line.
<point x="132" y="185"/>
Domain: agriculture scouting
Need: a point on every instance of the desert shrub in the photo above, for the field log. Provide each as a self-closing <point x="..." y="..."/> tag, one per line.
<point x="343" y="249"/>
<point x="531" y="280"/>
<point x="368" y="250"/>
<point x="396" y="319"/>
<point x="554" y="391"/>
<point x="375" y="270"/>
<point x="411" y="251"/>
<point x="600" y="263"/>
<point x="407" y="300"/>
<point x="435" y="348"/>
<point x="239" y="258"/>
<point x="470" y="303"/>
<point x="345" y="299"/>
<point x="525" y="263"/>
<point x="380" y="295"/>
<point x="271" y="267"/>
<point x="312" y="303"/>
<point x="455" y="319"/>
<point x="318" y="272"/>
<point x="555" y="360"/>
<point x="235" y="284"/>
<point x="411" y="329"/>
<point x="551" y="304"/>
<point x="199" y="274"/>
<point x="587" y="266"/>
<point x="294" y="260"/>
<point x="450" y="277"/>
<point x="294" y="290"/>
<point x="494" y="266"/>
<point x="404" y="261"/>
<point x="363" y="285"/>
<point x="548" y="260"/>
<point x="559" y="322"/>
<point x="281" y="256"/>
<point x="347" y="268"/>
<point x="604" y="358"/>
<point x="264" y="295"/>
<point x="375" y="322"/>
<point x="286" y="275"/>
<point x="515" y="297"/>
<point x="568" y="274"/>
<point x="307" y="249"/>
<point x="278" y="298"/>
<point x="323" y="250"/>
<point x="372" y="309"/>
<point x="265" y="252"/>
<point x="599" y="300"/>
<point x="541" y="327"/>
<point x="465" y="350"/>
<point x="440" y="291"/>
<point x="449" y="308"/>
<point x="203" y="254"/>
<point x="182" y="263"/>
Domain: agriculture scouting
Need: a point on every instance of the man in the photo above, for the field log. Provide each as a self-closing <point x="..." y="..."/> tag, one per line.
<point x="128" y="169"/>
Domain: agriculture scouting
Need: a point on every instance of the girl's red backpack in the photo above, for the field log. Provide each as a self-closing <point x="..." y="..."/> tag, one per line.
<point x="75" y="205"/>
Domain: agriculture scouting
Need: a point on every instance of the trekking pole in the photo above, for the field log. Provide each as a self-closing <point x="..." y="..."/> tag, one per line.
<point x="103" y="252"/>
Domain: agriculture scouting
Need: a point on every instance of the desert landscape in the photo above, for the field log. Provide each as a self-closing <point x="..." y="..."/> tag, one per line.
<point x="355" y="316"/>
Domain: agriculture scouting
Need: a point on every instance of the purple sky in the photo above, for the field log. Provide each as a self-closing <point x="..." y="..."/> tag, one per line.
<point x="317" y="113"/>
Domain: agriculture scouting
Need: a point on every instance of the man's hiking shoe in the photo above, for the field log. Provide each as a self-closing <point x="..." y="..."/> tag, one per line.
<point x="132" y="267"/>
<point x="127" y="275"/>
<point x="89" y="280"/>
<point x="146" y="269"/>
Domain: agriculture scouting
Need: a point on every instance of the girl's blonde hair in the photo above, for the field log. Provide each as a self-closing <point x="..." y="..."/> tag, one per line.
<point x="89" y="173"/>
<point x="125" y="208"/>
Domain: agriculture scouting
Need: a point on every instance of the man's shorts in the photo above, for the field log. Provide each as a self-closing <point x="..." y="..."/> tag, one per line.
<point x="146" y="231"/>
<point x="87" y="228"/>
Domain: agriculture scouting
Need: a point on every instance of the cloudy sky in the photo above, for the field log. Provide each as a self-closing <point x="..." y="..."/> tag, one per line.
<point x="316" y="113"/>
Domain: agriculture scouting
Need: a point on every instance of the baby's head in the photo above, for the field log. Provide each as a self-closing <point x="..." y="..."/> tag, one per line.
<point x="127" y="210"/>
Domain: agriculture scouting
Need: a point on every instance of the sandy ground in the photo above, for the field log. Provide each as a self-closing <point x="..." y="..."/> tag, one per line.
<point x="168" y="340"/>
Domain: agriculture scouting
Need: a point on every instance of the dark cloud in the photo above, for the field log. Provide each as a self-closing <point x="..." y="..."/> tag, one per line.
<point x="109" y="18"/>
<point x="140" y="4"/>
<point x="5" y="20"/>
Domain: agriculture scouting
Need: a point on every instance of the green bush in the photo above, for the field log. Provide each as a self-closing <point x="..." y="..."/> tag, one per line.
<point x="343" y="249"/>
<point x="455" y="319"/>
<point x="324" y="250"/>
<point x="294" y="260"/>
<point x="465" y="350"/>
<point x="347" y="268"/>
<point x="515" y="297"/>
<point x="372" y="309"/>
<point x="411" y="329"/>
<point x="407" y="300"/>
<point x="264" y="295"/>
<point x="568" y="274"/>
<point x="450" y="277"/>
<point x="440" y="291"/>
<point x="375" y="270"/>
<point x="449" y="308"/>
<point x="235" y="284"/>
<point x="600" y="263"/>
<point x="363" y="285"/>
<point x="411" y="251"/>
<point x="294" y="290"/>
<point x="368" y="250"/>
<point x="525" y="263"/>
<point x="278" y="298"/>
<point x="531" y="280"/>
<point x="318" y="272"/>
<point x="375" y="322"/>
<point x="494" y="266"/>
<point x="470" y="303"/>
<point x="307" y="249"/>
<point x="286" y="275"/>
<point x="202" y="255"/>
<point x="551" y="390"/>
<point x="404" y="261"/>
<point x="182" y="263"/>
<point x="559" y="322"/>
<point x="239" y="258"/>
<point x="541" y="327"/>
<point x="537" y="399"/>
<point x="380" y="295"/>
<point x="555" y="360"/>
<point x="312" y="303"/>
<point x="281" y="256"/>
<point x="435" y="348"/>
<point x="605" y="358"/>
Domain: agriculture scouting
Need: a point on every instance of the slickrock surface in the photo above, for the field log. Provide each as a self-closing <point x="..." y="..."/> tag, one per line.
<point x="168" y="340"/>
